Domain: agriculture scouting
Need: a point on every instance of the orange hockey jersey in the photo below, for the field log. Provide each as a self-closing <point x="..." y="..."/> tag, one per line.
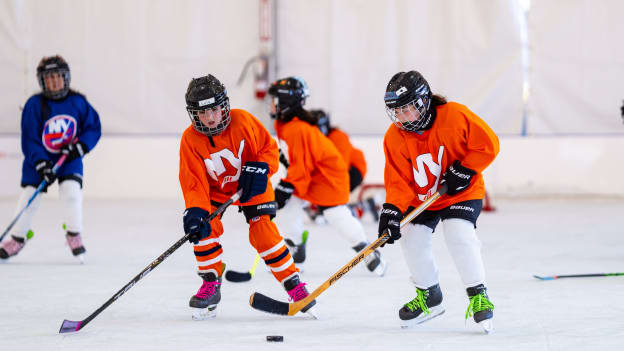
<point x="316" y="169"/>
<point x="352" y="156"/>
<point x="415" y="162"/>
<point x="210" y="172"/>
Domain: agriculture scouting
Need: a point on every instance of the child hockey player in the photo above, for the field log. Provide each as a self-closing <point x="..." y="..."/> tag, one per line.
<point x="317" y="172"/>
<point x="221" y="152"/>
<point x="433" y="142"/>
<point x="58" y="121"/>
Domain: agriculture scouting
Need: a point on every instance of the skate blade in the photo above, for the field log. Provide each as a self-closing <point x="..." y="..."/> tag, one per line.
<point x="433" y="312"/>
<point x="380" y="270"/>
<point x="202" y="314"/>
<point x="487" y="325"/>
<point x="312" y="312"/>
<point x="81" y="258"/>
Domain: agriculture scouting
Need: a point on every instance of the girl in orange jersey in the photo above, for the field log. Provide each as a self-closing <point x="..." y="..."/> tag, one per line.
<point x="317" y="172"/>
<point x="354" y="158"/>
<point x="434" y="142"/>
<point x="224" y="151"/>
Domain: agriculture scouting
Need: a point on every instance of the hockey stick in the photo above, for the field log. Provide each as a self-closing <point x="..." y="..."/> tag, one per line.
<point x="267" y="304"/>
<point x="553" y="277"/>
<point x="73" y="326"/>
<point x="239" y="277"/>
<point x="40" y="188"/>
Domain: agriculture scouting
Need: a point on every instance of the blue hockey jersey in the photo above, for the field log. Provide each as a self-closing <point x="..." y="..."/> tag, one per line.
<point x="49" y="125"/>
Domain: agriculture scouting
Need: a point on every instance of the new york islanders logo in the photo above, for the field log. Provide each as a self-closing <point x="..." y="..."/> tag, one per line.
<point x="58" y="131"/>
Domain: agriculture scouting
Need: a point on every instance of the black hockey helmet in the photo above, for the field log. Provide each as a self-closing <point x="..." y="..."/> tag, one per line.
<point x="207" y="93"/>
<point x="288" y="94"/>
<point x="322" y="121"/>
<point x="408" y="101"/>
<point x="49" y="66"/>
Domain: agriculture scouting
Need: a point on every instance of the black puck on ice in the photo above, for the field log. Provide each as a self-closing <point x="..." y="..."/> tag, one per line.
<point x="275" y="338"/>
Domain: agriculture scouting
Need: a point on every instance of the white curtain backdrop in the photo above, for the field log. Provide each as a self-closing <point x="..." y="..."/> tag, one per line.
<point x="134" y="59"/>
<point x="469" y="51"/>
<point x="577" y="61"/>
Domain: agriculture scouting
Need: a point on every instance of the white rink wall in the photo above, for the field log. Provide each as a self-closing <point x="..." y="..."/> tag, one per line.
<point x="147" y="167"/>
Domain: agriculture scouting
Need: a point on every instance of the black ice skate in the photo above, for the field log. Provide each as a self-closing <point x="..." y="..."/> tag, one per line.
<point x="480" y="307"/>
<point x="425" y="306"/>
<point x="297" y="291"/>
<point x="298" y="251"/>
<point x="74" y="240"/>
<point x="374" y="263"/>
<point x="204" y="303"/>
<point x="11" y="247"/>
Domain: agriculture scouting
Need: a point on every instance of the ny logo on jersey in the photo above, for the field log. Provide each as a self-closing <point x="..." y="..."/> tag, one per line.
<point x="420" y="173"/>
<point x="215" y="165"/>
<point x="58" y="131"/>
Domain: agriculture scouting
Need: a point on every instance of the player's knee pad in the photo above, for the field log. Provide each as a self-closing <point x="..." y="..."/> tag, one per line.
<point x="255" y="211"/>
<point x="71" y="196"/>
<point x="416" y="244"/>
<point x="460" y="232"/>
<point x="70" y="191"/>
<point x="341" y="218"/>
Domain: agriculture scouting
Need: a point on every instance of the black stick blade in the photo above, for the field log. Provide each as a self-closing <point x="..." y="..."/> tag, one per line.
<point x="70" y="326"/>
<point x="237" y="277"/>
<point x="267" y="304"/>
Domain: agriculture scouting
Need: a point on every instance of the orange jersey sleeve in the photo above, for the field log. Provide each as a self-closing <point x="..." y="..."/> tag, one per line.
<point x="316" y="169"/>
<point x="210" y="169"/>
<point x="352" y="156"/>
<point x="415" y="162"/>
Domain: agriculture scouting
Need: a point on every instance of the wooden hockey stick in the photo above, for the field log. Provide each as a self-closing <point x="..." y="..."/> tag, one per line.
<point x="74" y="326"/>
<point x="264" y="303"/>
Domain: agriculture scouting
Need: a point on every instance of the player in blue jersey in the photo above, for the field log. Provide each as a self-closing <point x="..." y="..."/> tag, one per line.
<point x="57" y="121"/>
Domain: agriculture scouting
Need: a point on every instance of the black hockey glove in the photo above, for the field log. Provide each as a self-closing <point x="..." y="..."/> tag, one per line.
<point x="253" y="179"/>
<point x="196" y="224"/>
<point x="283" y="192"/>
<point x="283" y="160"/>
<point x="44" y="169"/>
<point x="390" y="220"/>
<point x="73" y="151"/>
<point x="457" y="178"/>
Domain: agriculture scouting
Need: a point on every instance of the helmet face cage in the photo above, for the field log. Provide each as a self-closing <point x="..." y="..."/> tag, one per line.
<point x="407" y="99"/>
<point x="412" y="116"/>
<point x="194" y="114"/>
<point x="288" y="94"/>
<point x="47" y="69"/>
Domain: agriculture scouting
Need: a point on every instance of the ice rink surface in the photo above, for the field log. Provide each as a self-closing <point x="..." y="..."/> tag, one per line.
<point x="45" y="284"/>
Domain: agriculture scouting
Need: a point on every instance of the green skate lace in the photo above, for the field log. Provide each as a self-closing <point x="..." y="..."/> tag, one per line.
<point x="420" y="301"/>
<point x="478" y="303"/>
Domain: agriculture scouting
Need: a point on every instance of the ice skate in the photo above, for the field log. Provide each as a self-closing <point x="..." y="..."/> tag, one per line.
<point x="204" y="303"/>
<point x="297" y="291"/>
<point x="425" y="306"/>
<point x="374" y="263"/>
<point x="11" y="247"/>
<point x="298" y="251"/>
<point x="480" y="307"/>
<point x="74" y="240"/>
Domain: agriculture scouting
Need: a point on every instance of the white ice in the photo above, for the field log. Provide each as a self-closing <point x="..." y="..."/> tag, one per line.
<point x="45" y="284"/>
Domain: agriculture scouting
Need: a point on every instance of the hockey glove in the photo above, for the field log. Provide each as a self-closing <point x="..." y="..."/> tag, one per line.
<point x="457" y="178"/>
<point x="390" y="220"/>
<point x="283" y="192"/>
<point x="283" y="159"/>
<point x="44" y="169"/>
<point x="74" y="151"/>
<point x="195" y="224"/>
<point x="253" y="179"/>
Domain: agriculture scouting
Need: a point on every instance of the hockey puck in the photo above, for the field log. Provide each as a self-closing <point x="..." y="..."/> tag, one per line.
<point x="275" y="338"/>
